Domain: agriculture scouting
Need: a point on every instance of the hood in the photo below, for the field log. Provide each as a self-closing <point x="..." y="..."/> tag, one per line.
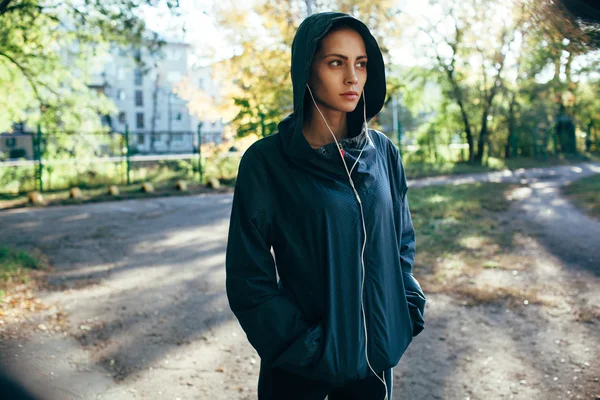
<point x="310" y="31"/>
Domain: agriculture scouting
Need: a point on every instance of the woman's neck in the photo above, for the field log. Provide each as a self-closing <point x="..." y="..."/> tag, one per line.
<point x="316" y="132"/>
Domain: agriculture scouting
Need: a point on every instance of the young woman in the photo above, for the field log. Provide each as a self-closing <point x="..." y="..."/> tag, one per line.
<point x="328" y="196"/>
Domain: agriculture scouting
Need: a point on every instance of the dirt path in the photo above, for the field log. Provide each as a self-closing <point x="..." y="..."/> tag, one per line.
<point x="142" y="283"/>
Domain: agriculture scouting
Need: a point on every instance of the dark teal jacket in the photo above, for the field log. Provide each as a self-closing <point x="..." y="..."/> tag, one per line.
<point x="299" y="202"/>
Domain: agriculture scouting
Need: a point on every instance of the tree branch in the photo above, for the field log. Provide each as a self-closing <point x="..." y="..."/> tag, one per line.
<point x="483" y="74"/>
<point x="32" y="82"/>
<point x="3" y="6"/>
<point x="21" y="6"/>
<point x="25" y="73"/>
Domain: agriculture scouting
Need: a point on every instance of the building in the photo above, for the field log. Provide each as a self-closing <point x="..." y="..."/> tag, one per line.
<point x="16" y="145"/>
<point x="201" y="76"/>
<point x="141" y="85"/>
<point x="156" y="118"/>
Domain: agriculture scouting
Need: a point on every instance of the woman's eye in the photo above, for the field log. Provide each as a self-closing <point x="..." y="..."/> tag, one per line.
<point x="335" y="63"/>
<point x="362" y="64"/>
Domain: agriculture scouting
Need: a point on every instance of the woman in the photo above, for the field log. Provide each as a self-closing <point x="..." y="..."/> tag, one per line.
<point x="328" y="195"/>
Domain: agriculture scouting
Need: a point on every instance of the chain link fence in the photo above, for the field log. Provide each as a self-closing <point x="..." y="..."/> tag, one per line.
<point x="48" y="161"/>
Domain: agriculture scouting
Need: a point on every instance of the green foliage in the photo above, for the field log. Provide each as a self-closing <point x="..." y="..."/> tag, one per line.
<point x="48" y="50"/>
<point x="221" y="164"/>
<point x="17" y="179"/>
<point x="261" y="34"/>
<point x="518" y="71"/>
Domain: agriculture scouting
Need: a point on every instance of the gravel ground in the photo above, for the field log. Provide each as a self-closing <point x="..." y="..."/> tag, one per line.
<point x="142" y="285"/>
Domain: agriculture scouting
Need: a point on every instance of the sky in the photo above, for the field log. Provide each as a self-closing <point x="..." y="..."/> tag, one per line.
<point x="204" y="36"/>
<point x="200" y="30"/>
<point x="209" y="46"/>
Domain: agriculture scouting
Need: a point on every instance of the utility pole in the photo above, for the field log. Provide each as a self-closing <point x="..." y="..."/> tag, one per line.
<point x="309" y="7"/>
<point x="396" y="121"/>
<point x="39" y="156"/>
<point x="170" y="102"/>
<point x="199" y="131"/>
<point x="395" y="113"/>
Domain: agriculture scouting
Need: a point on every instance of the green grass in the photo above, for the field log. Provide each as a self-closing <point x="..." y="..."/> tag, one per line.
<point x="585" y="193"/>
<point x="447" y="217"/>
<point x="422" y="170"/>
<point x="21" y="180"/>
<point x="15" y="267"/>
<point x="460" y="235"/>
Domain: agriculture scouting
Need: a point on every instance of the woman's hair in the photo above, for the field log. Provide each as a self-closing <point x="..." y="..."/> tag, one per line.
<point x="334" y="28"/>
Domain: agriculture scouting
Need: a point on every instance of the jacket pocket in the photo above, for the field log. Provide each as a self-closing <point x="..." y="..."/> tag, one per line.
<point x="302" y="353"/>
<point x="339" y="359"/>
<point x="416" y="302"/>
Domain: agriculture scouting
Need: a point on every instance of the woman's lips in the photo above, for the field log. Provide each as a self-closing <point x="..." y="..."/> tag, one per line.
<point x="350" y="97"/>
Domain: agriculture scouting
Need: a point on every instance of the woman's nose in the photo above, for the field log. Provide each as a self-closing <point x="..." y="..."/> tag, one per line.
<point x="352" y="79"/>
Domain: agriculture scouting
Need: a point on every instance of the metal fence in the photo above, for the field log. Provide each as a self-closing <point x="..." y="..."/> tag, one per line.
<point x="58" y="160"/>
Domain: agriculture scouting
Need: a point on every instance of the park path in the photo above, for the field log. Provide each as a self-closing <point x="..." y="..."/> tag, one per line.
<point x="143" y="285"/>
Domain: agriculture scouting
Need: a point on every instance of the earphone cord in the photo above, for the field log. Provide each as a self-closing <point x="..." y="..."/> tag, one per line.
<point x="365" y="127"/>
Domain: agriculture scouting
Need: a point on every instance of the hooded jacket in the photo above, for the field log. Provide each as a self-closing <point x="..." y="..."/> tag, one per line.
<point x="301" y="308"/>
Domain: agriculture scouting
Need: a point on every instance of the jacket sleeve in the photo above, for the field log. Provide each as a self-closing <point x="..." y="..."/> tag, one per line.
<point x="272" y="321"/>
<point x="414" y="294"/>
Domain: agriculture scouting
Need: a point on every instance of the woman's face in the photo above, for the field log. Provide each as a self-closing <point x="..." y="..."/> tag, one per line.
<point x="338" y="69"/>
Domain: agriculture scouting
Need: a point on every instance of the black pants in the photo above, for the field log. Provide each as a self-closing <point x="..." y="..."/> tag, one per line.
<point x="278" y="384"/>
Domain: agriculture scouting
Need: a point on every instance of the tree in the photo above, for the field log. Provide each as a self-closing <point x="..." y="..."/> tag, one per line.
<point x="45" y="52"/>
<point x="469" y="36"/>
<point x="260" y="93"/>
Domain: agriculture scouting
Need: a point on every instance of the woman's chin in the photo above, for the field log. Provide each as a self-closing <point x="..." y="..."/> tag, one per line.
<point x="347" y="107"/>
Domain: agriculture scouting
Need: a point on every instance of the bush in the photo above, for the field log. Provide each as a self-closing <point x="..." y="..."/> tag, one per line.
<point x="19" y="179"/>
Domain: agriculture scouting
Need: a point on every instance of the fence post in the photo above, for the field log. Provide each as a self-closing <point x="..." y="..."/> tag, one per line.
<point x="127" y="155"/>
<point x="40" y="169"/>
<point x="399" y="128"/>
<point x="199" y="131"/>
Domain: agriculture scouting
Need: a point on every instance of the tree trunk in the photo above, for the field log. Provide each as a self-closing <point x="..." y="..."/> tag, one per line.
<point x="482" y="137"/>
<point x="588" y="138"/>
<point x="488" y="105"/>
<point x="509" y="150"/>
<point x="463" y="112"/>
<point x="468" y="132"/>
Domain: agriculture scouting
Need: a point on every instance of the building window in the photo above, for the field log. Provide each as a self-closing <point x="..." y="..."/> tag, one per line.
<point x="177" y="137"/>
<point x="138" y="77"/>
<point x="157" y="116"/>
<point x="11" y="142"/>
<point x="178" y="116"/>
<point x="122" y="117"/>
<point x="201" y="83"/>
<point x="137" y="54"/>
<point x="139" y="120"/>
<point x="140" y="138"/>
<point x="17" y="153"/>
<point x="121" y="95"/>
<point x="139" y="98"/>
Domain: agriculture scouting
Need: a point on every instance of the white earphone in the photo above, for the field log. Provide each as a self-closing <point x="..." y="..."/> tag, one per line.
<point x="362" y="257"/>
